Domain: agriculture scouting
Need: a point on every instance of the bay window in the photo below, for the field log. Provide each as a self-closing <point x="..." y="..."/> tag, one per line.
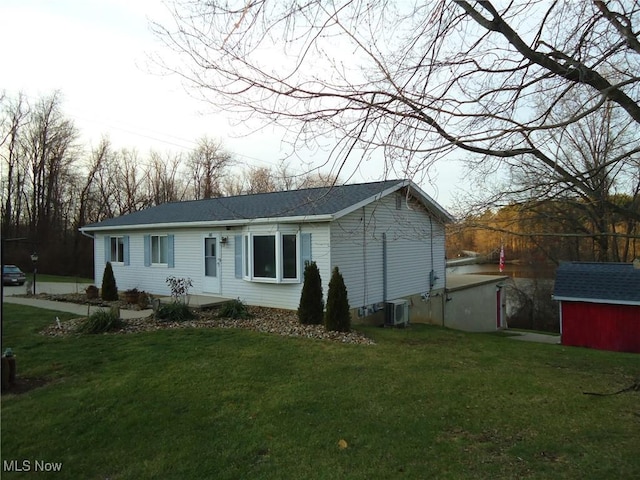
<point x="271" y="257"/>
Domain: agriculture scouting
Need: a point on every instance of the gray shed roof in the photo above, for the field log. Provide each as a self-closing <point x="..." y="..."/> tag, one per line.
<point x="324" y="203"/>
<point x="617" y="283"/>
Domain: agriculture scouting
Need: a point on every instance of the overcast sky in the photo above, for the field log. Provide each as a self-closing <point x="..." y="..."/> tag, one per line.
<point x="96" y="53"/>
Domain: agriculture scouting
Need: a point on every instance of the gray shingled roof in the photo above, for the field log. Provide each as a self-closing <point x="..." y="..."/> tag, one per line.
<point x="307" y="202"/>
<point x="598" y="282"/>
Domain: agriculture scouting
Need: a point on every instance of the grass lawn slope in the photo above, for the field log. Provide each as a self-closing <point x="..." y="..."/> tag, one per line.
<point x="423" y="402"/>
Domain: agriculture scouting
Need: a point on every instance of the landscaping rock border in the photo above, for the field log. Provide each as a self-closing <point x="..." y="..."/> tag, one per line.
<point x="266" y="320"/>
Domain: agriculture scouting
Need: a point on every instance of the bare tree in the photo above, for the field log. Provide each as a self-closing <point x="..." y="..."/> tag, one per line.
<point x="598" y="152"/>
<point x="260" y="180"/>
<point x="416" y="80"/>
<point x="206" y="166"/>
<point x="162" y="179"/>
<point x="14" y="114"/>
<point x="50" y="149"/>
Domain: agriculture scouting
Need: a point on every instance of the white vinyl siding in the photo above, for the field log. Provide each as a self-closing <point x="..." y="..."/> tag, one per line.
<point x="414" y="246"/>
<point x="189" y="262"/>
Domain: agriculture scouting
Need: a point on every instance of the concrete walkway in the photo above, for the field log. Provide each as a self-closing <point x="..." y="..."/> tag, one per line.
<point x="61" y="288"/>
<point x="535" y="337"/>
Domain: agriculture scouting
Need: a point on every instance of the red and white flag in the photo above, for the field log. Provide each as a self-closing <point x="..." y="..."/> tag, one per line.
<point x="501" y="258"/>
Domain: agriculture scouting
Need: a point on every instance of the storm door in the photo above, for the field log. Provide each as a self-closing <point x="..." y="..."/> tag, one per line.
<point x="211" y="282"/>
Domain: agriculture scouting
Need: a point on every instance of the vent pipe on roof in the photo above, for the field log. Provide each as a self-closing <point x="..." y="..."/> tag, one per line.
<point x="636" y="263"/>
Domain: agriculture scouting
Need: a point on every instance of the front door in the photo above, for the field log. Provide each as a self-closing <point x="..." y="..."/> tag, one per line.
<point x="211" y="282"/>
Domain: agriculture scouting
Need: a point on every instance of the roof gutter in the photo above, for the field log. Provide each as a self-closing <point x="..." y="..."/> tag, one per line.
<point x="597" y="300"/>
<point x="209" y="224"/>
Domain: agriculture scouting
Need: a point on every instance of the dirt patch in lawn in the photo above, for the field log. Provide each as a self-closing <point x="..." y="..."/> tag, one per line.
<point x="24" y="385"/>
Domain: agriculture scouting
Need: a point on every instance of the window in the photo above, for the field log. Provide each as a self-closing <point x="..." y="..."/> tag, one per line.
<point x="271" y="258"/>
<point x="264" y="256"/>
<point x="159" y="249"/>
<point x="246" y="250"/>
<point x="289" y="257"/>
<point x="117" y="249"/>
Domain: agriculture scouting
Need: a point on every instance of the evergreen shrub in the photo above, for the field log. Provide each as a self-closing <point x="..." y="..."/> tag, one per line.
<point x="311" y="308"/>
<point x="109" y="287"/>
<point x="337" y="317"/>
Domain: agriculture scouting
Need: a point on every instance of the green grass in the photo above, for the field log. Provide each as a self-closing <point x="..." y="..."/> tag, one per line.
<point x="425" y="402"/>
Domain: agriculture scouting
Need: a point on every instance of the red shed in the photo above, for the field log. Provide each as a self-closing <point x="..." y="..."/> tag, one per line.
<point x="599" y="305"/>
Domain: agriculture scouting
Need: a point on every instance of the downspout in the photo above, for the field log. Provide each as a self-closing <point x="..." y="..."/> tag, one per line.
<point x="384" y="267"/>
<point x="432" y="277"/>
<point x="364" y="255"/>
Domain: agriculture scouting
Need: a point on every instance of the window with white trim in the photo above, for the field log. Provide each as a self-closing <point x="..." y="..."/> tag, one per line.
<point x="117" y="249"/>
<point x="271" y="257"/>
<point x="159" y="250"/>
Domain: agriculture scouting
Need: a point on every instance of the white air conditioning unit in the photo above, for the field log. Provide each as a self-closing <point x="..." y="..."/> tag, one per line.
<point x="397" y="313"/>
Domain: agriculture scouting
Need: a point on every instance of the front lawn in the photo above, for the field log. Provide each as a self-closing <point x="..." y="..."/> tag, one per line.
<point x="424" y="402"/>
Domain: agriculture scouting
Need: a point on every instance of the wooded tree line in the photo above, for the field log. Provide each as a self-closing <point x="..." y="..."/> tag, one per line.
<point x="549" y="231"/>
<point x="52" y="184"/>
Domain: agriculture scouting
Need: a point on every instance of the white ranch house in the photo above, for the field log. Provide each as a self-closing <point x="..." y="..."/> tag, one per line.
<point x="387" y="238"/>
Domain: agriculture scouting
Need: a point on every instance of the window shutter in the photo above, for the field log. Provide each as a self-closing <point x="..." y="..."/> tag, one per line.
<point x="238" y="255"/>
<point x="147" y="250"/>
<point x="305" y="251"/>
<point x="125" y="245"/>
<point x="107" y="249"/>
<point x="170" y="251"/>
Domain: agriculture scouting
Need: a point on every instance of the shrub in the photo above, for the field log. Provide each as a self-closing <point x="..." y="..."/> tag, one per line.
<point x="92" y="292"/>
<point x="337" y="316"/>
<point x="234" y="309"/>
<point x="179" y="288"/>
<point x="109" y="287"/>
<point x="143" y="300"/>
<point x="311" y="308"/>
<point x="101" y="321"/>
<point x="174" y="312"/>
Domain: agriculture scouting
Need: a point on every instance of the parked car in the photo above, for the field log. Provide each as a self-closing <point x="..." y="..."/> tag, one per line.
<point x="12" y="275"/>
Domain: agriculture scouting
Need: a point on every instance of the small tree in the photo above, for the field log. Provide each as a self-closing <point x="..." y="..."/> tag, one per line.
<point x="337" y="317"/>
<point x="311" y="308"/>
<point x="109" y="287"/>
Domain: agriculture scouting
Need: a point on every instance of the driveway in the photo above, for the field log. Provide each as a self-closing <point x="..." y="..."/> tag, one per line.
<point x="47" y="287"/>
<point x="9" y="295"/>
